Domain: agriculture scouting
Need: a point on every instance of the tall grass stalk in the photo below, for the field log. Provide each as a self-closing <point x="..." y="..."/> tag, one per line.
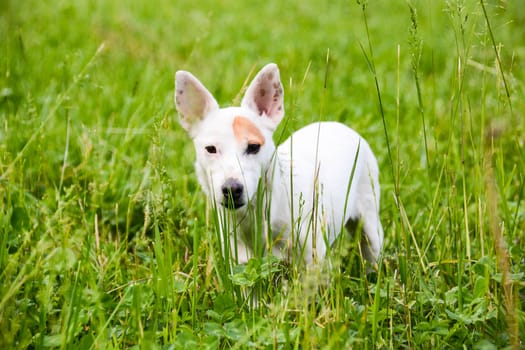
<point x="369" y="57"/>
<point x="497" y="55"/>
<point x="415" y="53"/>
<point x="502" y="253"/>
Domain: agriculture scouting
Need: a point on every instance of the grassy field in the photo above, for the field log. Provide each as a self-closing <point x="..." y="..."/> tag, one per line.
<point x="106" y="240"/>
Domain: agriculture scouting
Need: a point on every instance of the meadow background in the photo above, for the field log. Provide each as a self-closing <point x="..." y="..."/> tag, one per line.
<point x="107" y="242"/>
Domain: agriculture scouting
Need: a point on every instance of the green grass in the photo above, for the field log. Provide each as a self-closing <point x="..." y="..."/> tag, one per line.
<point x="106" y="240"/>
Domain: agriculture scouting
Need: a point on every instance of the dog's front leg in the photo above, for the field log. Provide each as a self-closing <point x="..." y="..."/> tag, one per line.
<point x="231" y="240"/>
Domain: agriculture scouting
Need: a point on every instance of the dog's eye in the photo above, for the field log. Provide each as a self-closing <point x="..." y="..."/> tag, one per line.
<point x="211" y="149"/>
<point x="253" y="148"/>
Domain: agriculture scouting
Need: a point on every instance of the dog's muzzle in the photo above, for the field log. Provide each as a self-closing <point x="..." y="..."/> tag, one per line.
<point x="233" y="194"/>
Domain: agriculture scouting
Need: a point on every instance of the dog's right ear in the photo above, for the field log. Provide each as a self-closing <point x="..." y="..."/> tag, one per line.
<point x="192" y="100"/>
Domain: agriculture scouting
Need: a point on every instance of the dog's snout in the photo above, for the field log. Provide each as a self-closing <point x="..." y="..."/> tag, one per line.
<point x="233" y="192"/>
<point x="232" y="188"/>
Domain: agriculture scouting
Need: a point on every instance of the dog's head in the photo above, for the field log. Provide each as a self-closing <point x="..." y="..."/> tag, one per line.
<point x="234" y="145"/>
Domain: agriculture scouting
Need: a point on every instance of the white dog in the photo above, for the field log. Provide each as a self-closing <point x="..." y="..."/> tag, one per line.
<point x="321" y="179"/>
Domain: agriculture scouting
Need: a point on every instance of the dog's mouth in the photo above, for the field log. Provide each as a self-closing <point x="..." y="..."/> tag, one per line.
<point x="232" y="204"/>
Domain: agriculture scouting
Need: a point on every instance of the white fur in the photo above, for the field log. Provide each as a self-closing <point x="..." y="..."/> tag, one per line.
<point x="323" y="176"/>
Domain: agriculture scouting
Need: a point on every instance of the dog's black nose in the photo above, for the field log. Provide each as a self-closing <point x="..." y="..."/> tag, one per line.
<point x="232" y="191"/>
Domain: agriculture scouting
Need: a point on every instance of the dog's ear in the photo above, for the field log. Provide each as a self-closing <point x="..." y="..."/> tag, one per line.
<point x="265" y="95"/>
<point x="192" y="99"/>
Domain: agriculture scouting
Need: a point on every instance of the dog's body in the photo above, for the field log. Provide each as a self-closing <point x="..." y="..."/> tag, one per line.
<point x="318" y="181"/>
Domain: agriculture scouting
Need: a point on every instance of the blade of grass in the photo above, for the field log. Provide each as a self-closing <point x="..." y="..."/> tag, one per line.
<point x="369" y="57"/>
<point x="496" y="52"/>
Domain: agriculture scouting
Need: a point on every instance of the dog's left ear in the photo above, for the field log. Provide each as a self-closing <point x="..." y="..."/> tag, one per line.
<point x="265" y="95"/>
<point x="192" y="99"/>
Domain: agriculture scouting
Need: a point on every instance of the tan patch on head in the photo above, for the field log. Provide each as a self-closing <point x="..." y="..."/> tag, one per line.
<point x="246" y="131"/>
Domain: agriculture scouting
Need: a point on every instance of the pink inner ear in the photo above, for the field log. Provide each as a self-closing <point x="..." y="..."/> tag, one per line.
<point x="268" y="97"/>
<point x="192" y="99"/>
<point x="246" y="131"/>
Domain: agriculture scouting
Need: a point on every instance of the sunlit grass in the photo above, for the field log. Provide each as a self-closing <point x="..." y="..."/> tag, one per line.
<point x="106" y="240"/>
